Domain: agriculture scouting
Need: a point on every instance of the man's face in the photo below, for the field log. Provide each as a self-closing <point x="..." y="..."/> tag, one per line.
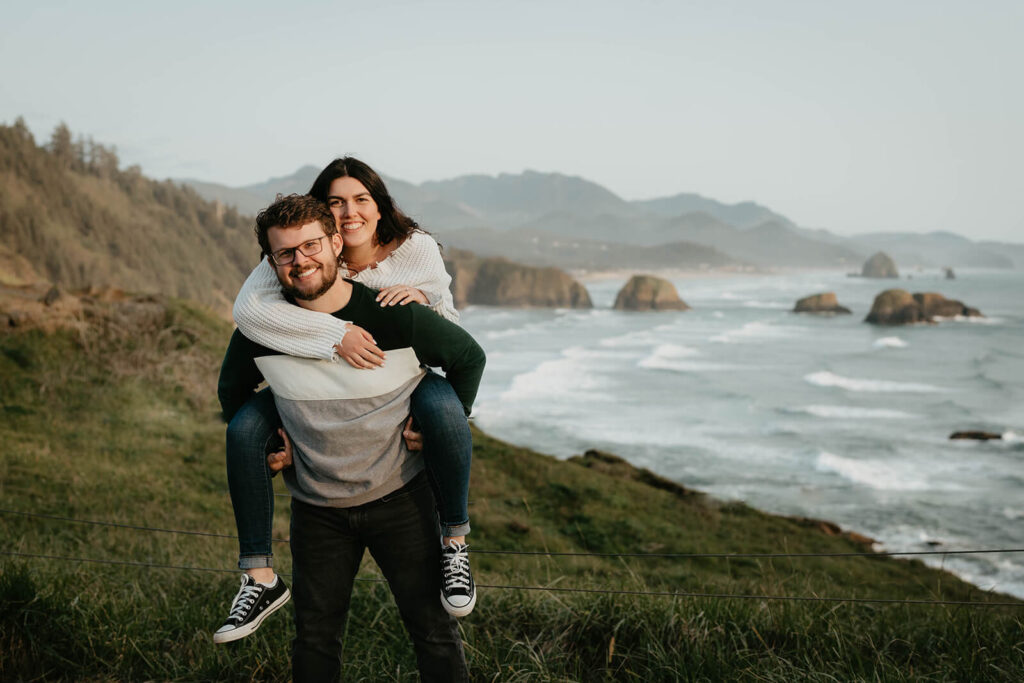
<point x="307" y="277"/>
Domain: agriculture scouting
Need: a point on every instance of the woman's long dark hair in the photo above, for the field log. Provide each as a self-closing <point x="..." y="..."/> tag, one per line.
<point x="393" y="223"/>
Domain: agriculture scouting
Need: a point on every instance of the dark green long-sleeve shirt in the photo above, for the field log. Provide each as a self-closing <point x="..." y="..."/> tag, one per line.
<point x="436" y="341"/>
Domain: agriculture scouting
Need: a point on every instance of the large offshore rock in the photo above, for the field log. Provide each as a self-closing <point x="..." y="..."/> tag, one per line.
<point x="649" y="293"/>
<point x="821" y="304"/>
<point x="497" y="282"/>
<point x="900" y="307"/>
<point x="880" y="266"/>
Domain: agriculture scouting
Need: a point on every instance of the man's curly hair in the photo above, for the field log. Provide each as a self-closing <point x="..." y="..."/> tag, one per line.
<point x="292" y="211"/>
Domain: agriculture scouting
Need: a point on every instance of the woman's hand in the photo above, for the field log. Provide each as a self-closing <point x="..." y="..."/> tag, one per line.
<point x="401" y="294"/>
<point x="359" y="349"/>
<point x="282" y="458"/>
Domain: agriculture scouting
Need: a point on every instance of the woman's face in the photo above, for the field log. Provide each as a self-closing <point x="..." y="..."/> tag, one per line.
<point x="354" y="210"/>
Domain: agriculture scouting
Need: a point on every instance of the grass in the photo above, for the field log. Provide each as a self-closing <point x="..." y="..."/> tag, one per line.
<point x="116" y="420"/>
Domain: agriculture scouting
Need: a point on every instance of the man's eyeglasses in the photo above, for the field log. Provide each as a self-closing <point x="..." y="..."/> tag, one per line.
<point x="283" y="257"/>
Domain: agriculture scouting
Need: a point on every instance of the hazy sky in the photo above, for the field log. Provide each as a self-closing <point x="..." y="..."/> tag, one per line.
<point x="855" y="117"/>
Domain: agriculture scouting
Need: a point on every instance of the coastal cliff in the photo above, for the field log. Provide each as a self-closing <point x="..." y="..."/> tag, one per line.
<point x="498" y="282"/>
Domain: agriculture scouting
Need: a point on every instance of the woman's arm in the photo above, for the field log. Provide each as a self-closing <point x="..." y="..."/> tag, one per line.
<point x="423" y="268"/>
<point x="264" y="316"/>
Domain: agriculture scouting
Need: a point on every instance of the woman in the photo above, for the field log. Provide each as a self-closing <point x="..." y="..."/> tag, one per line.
<point x="386" y="250"/>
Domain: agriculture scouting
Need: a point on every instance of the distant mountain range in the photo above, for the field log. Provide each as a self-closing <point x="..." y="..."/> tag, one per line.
<point x="555" y="219"/>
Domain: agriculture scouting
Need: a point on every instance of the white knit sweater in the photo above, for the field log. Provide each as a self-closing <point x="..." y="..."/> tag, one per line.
<point x="265" y="316"/>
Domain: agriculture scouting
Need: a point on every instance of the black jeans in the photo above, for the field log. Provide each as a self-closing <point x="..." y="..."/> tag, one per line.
<point x="402" y="535"/>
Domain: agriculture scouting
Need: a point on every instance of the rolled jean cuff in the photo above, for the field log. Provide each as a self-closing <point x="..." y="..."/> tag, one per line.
<point x="255" y="561"/>
<point x="450" y="530"/>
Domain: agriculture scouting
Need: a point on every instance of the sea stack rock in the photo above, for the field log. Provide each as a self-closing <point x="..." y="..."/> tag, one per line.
<point x="880" y="266"/>
<point x="821" y="304"/>
<point x="900" y="307"/>
<point x="976" y="435"/>
<point x="649" y="293"/>
<point x="497" y="282"/>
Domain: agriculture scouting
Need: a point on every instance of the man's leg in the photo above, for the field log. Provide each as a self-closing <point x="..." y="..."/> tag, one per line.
<point x="402" y="535"/>
<point x="326" y="553"/>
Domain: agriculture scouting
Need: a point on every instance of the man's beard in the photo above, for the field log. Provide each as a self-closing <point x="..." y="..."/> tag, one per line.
<point x="328" y="274"/>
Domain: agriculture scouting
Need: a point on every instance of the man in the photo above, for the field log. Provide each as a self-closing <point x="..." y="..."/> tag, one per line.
<point x="354" y="483"/>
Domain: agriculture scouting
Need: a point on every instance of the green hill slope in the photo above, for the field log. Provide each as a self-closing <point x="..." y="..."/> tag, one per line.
<point x="115" y="420"/>
<point x="71" y="217"/>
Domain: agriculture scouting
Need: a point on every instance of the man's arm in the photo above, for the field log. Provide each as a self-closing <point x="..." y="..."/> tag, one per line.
<point x="441" y="343"/>
<point x="239" y="375"/>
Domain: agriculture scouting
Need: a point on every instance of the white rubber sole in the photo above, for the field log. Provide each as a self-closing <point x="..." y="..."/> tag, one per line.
<point x="459" y="611"/>
<point x="243" y="631"/>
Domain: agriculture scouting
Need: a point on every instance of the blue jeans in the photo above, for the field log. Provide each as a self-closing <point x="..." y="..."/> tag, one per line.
<point x="400" y="531"/>
<point x="447" y="453"/>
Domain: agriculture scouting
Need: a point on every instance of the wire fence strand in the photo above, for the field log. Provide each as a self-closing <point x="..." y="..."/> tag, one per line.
<point x="559" y="589"/>
<point x="555" y="553"/>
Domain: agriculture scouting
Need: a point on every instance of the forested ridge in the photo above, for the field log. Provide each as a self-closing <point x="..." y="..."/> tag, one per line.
<point x="72" y="217"/>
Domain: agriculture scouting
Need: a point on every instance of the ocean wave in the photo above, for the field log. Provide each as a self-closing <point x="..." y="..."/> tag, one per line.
<point x="853" y="413"/>
<point x="679" y="359"/>
<point x="889" y="343"/>
<point x="758" y="330"/>
<point x="969" y="319"/>
<point x="567" y="377"/>
<point x="875" y="474"/>
<point x="829" y="379"/>
<point x="766" y="304"/>
<point x="637" y="338"/>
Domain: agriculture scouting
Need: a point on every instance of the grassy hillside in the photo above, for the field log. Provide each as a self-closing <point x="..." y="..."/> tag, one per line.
<point x="70" y="216"/>
<point x="115" y="419"/>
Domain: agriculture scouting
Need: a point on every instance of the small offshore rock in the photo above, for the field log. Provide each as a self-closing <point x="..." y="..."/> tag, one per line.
<point x="649" y="293"/>
<point x="822" y="304"/>
<point x="900" y="307"/>
<point x="880" y="266"/>
<point x="976" y="435"/>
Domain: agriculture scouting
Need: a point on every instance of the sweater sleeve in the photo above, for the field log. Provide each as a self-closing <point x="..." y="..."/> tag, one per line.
<point x="435" y="281"/>
<point x="265" y="316"/>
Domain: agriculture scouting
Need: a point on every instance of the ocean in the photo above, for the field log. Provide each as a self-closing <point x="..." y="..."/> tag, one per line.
<point x="824" y="417"/>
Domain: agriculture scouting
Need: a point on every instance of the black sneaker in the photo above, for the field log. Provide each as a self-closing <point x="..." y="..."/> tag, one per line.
<point x="254" y="603"/>
<point x="458" y="592"/>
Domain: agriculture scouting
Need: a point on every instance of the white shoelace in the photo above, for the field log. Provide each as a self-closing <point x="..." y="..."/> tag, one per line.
<point x="244" y="601"/>
<point x="456" y="568"/>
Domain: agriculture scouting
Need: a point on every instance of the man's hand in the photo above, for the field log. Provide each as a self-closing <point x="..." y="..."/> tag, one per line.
<point x="282" y="458"/>
<point x="413" y="439"/>
<point x="359" y="349"/>
<point x="401" y="294"/>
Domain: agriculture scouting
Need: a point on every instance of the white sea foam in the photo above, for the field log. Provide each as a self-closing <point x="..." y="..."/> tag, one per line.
<point x="829" y="379"/>
<point x="854" y="413"/>
<point x="875" y="474"/>
<point x="1012" y="437"/>
<point x="718" y="314"/>
<point x="969" y="319"/>
<point x="889" y="343"/>
<point x="1013" y="513"/>
<point x="679" y="359"/>
<point x="638" y="338"/>
<point x="563" y="378"/>
<point x="757" y="330"/>
<point x="766" y="304"/>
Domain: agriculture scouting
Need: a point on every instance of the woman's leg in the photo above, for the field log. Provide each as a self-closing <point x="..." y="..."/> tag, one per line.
<point x="249" y="479"/>
<point x="447" y="450"/>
